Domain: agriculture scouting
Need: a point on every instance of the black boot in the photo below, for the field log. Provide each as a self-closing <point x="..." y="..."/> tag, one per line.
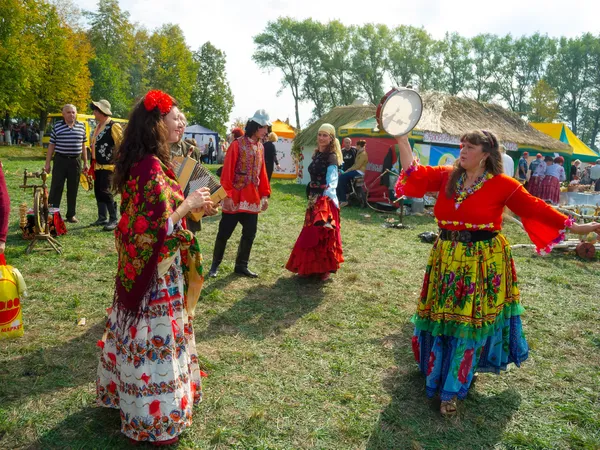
<point x="218" y="253"/>
<point x="112" y="214"/>
<point x="102" y="215"/>
<point x="243" y="256"/>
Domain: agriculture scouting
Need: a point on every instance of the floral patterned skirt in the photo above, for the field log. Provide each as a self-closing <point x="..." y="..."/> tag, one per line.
<point x="318" y="249"/>
<point x="468" y="317"/>
<point x="150" y="371"/>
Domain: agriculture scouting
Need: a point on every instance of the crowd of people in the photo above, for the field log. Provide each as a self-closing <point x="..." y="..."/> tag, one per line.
<point x="468" y="312"/>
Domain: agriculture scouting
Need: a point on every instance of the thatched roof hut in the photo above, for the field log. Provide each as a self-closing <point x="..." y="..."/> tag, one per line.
<point x="444" y="113"/>
<point x="337" y="117"/>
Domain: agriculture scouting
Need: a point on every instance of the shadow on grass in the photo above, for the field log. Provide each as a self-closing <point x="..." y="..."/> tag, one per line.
<point x="290" y="188"/>
<point x="71" y="364"/>
<point x="267" y="309"/>
<point x="412" y="420"/>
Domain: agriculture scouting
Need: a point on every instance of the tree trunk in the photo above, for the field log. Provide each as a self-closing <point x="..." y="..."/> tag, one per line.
<point x="295" y="94"/>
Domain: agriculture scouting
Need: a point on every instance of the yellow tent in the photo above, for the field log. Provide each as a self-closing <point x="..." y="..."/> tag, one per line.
<point x="285" y="137"/>
<point x="562" y="132"/>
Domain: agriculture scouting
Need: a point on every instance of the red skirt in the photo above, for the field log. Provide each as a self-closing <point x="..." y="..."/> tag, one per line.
<point x="534" y="186"/>
<point x="318" y="249"/>
<point x="550" y="189"/>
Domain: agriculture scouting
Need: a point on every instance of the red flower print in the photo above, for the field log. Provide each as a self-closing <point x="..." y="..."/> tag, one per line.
<point x="465" y="366"/>
<point x="184" y="402"/>
<point x="496" y="280"/>
<point x="155" y="409"/>
<point x="112" y="387"/>
<point x="131" y="251"/>
<point x="132" y="332"/>
<point x="157" y="189"/>
<point x="140" y="225"/>
<point x="415" y="348"/>
<point x="124" y="224"/>
<point x="203" y="374"/>
<point x="112" y="357"/>
<point x="100" y="343"/>
<point x="129" y="271"/>
<point x="175" y="327"/>
<point x="431" y="363"/>
<point x="145" y="377"/>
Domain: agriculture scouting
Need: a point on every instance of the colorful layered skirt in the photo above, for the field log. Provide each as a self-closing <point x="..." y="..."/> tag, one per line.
<point x="534" y="186"/>
<point x="468" y="316"/>
<point x="550" y="189"/>
<point x="150" y="370"/>
<point x="318" y="249"/>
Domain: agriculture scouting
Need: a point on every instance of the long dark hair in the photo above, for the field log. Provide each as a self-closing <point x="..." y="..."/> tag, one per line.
<point x="146" y="134"/>
<point x="493" y="163"/>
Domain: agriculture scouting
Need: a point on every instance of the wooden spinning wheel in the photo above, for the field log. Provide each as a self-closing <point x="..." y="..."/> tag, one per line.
<point x="40" y="212"/>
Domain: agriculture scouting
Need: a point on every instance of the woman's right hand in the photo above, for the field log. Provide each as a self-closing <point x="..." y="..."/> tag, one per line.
<point x="199" y="198"/>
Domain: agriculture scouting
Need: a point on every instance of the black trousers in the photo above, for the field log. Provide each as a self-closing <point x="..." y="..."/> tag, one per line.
<point x="65" y="169"/>
<point x="102" y="188"/>
<point x="229" y="222"/>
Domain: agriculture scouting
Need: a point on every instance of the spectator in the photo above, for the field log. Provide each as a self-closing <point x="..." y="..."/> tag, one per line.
<point x="575" y="174"/>
<point x="507" y="163"/>
<point x="271" y="154"/>
<point x="357" y="170"/>
<point x="595" y="175"/>
<point x="349" y="154"/>
<point x="523" y="168"/>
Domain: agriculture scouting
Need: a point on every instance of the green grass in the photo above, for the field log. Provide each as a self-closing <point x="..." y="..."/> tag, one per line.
<point x="295" y="363"/>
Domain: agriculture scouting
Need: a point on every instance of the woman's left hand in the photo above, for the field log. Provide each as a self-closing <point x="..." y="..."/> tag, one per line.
<point x="585" y="228"/>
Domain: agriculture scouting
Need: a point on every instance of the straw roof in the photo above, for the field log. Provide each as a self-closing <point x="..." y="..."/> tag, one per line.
<point x="338" y="116"/>
<point x="444" y="113"/>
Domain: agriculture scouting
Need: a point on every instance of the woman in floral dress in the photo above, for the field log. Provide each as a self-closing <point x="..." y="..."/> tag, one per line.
<point x="149" y="366"/>
<point x="469" y="313"/>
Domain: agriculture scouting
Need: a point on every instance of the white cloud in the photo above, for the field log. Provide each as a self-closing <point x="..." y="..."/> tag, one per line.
<point x="231" y="25"/>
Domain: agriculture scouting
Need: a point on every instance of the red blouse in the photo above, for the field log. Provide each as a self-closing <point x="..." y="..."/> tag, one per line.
<point x="483" y="209"/>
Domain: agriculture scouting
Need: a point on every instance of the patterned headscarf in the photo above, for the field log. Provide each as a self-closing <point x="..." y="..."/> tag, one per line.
<point x="328" y="128"/>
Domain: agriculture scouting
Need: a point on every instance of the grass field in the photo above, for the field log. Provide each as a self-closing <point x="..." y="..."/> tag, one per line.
<point x="295" y="363"/>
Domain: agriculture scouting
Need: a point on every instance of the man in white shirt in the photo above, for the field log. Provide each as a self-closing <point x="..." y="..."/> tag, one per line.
<point x="595" y="175"/>
<point x="508" y="163"/>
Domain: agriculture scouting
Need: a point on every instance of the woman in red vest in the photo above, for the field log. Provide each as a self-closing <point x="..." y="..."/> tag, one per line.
<point x="244" y="178"/>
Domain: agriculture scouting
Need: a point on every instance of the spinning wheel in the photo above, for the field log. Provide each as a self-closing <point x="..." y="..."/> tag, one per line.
<point x="40" y="212"/>
<point x="585" y="250"/>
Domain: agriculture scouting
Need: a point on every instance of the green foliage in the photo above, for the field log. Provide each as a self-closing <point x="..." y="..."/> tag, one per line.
<point x="212" y="99"/>
<point x="369" y="60"/>
<point x="544" y="103"/>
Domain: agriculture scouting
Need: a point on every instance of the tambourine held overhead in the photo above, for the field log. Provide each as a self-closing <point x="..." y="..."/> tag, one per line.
<point x="399" y="111"/>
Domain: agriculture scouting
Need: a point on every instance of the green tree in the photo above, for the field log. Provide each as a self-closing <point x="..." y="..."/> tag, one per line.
<point x="410" y="56"/>
<point x="370" y="59"/>
<point x="171" y="65"/>
<point x="212" y="99"/>
<point x="544" y="103"/>
<point x="278" y="48"/>
<point x="482" y="51"/>
<point x="112" y="36"/>
<point x="337" y="63"/>
<point x="456" y="63"/>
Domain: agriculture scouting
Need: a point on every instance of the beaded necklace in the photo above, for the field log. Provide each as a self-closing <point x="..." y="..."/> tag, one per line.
<point x="462" y="193"/>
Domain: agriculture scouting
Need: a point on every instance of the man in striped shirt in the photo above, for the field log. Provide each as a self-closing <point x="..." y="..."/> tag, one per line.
<point x="67" y="143"/>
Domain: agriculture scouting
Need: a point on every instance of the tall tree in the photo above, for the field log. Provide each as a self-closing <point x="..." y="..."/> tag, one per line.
<point x="570" y="75"/>
<point x="482" y="51"/>
<point x="456" y="62"/>
<point x="337" y="63"/>
<point x="171" y="64"/>
<point x="370" y="59"/>
<point x="278" y="48"/>
<point x="410" y="56"/>
<point x="112" y="36"/>
<point x="544" y="103"/>
<point x="212" y="99"/>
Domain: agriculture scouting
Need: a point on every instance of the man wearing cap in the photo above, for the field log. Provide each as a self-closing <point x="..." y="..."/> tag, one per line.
<point x="67" y="143"/>
<point x="539" y="159"/>
<point x="523" y="168"/>
<point x="595" y="175"/>
<point x="106" y="139"/>
<point x="244" y="178"/>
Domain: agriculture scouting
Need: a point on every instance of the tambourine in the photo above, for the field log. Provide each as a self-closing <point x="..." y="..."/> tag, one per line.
<point x="399" y="111"/>
<point x="86" y="181"/>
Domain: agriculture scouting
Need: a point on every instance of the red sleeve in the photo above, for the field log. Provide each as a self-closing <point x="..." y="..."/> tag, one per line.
<point x="544" y="224"/>
<point x="4" y="206"/>
<point x="417" y="180"/>
<point x="229" y="168"/>
<point x="264" y="187"/>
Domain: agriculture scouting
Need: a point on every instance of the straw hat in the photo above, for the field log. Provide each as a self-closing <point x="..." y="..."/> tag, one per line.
<point x="103" y="106"/>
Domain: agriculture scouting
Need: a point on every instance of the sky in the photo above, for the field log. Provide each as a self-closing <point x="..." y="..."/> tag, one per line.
<point x="231" y="25"/>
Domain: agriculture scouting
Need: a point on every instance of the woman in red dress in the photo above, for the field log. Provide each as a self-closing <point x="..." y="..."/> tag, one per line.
<point x="318" y="250"/>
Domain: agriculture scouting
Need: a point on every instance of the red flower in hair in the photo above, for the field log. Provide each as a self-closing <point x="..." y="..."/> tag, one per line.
<point x="158" y="99"/>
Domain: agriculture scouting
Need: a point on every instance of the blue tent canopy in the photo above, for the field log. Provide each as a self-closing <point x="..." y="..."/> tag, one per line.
<point x="195" y="131"/>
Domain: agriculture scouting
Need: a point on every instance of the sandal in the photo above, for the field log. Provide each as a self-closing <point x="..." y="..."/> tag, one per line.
<point x="448" y="408"/>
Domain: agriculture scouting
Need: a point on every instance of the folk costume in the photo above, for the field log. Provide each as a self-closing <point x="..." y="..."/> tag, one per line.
<point x="244" y="178"/>
<point x="318" y="249"/>
<point x="105" y="141"/>
<point x="469" y="313"/>
<point x="550" y="186"/>
<point x="149" y="366"/>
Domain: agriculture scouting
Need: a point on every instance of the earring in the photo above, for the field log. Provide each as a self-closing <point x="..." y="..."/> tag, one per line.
<point x="482" y="163"/>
